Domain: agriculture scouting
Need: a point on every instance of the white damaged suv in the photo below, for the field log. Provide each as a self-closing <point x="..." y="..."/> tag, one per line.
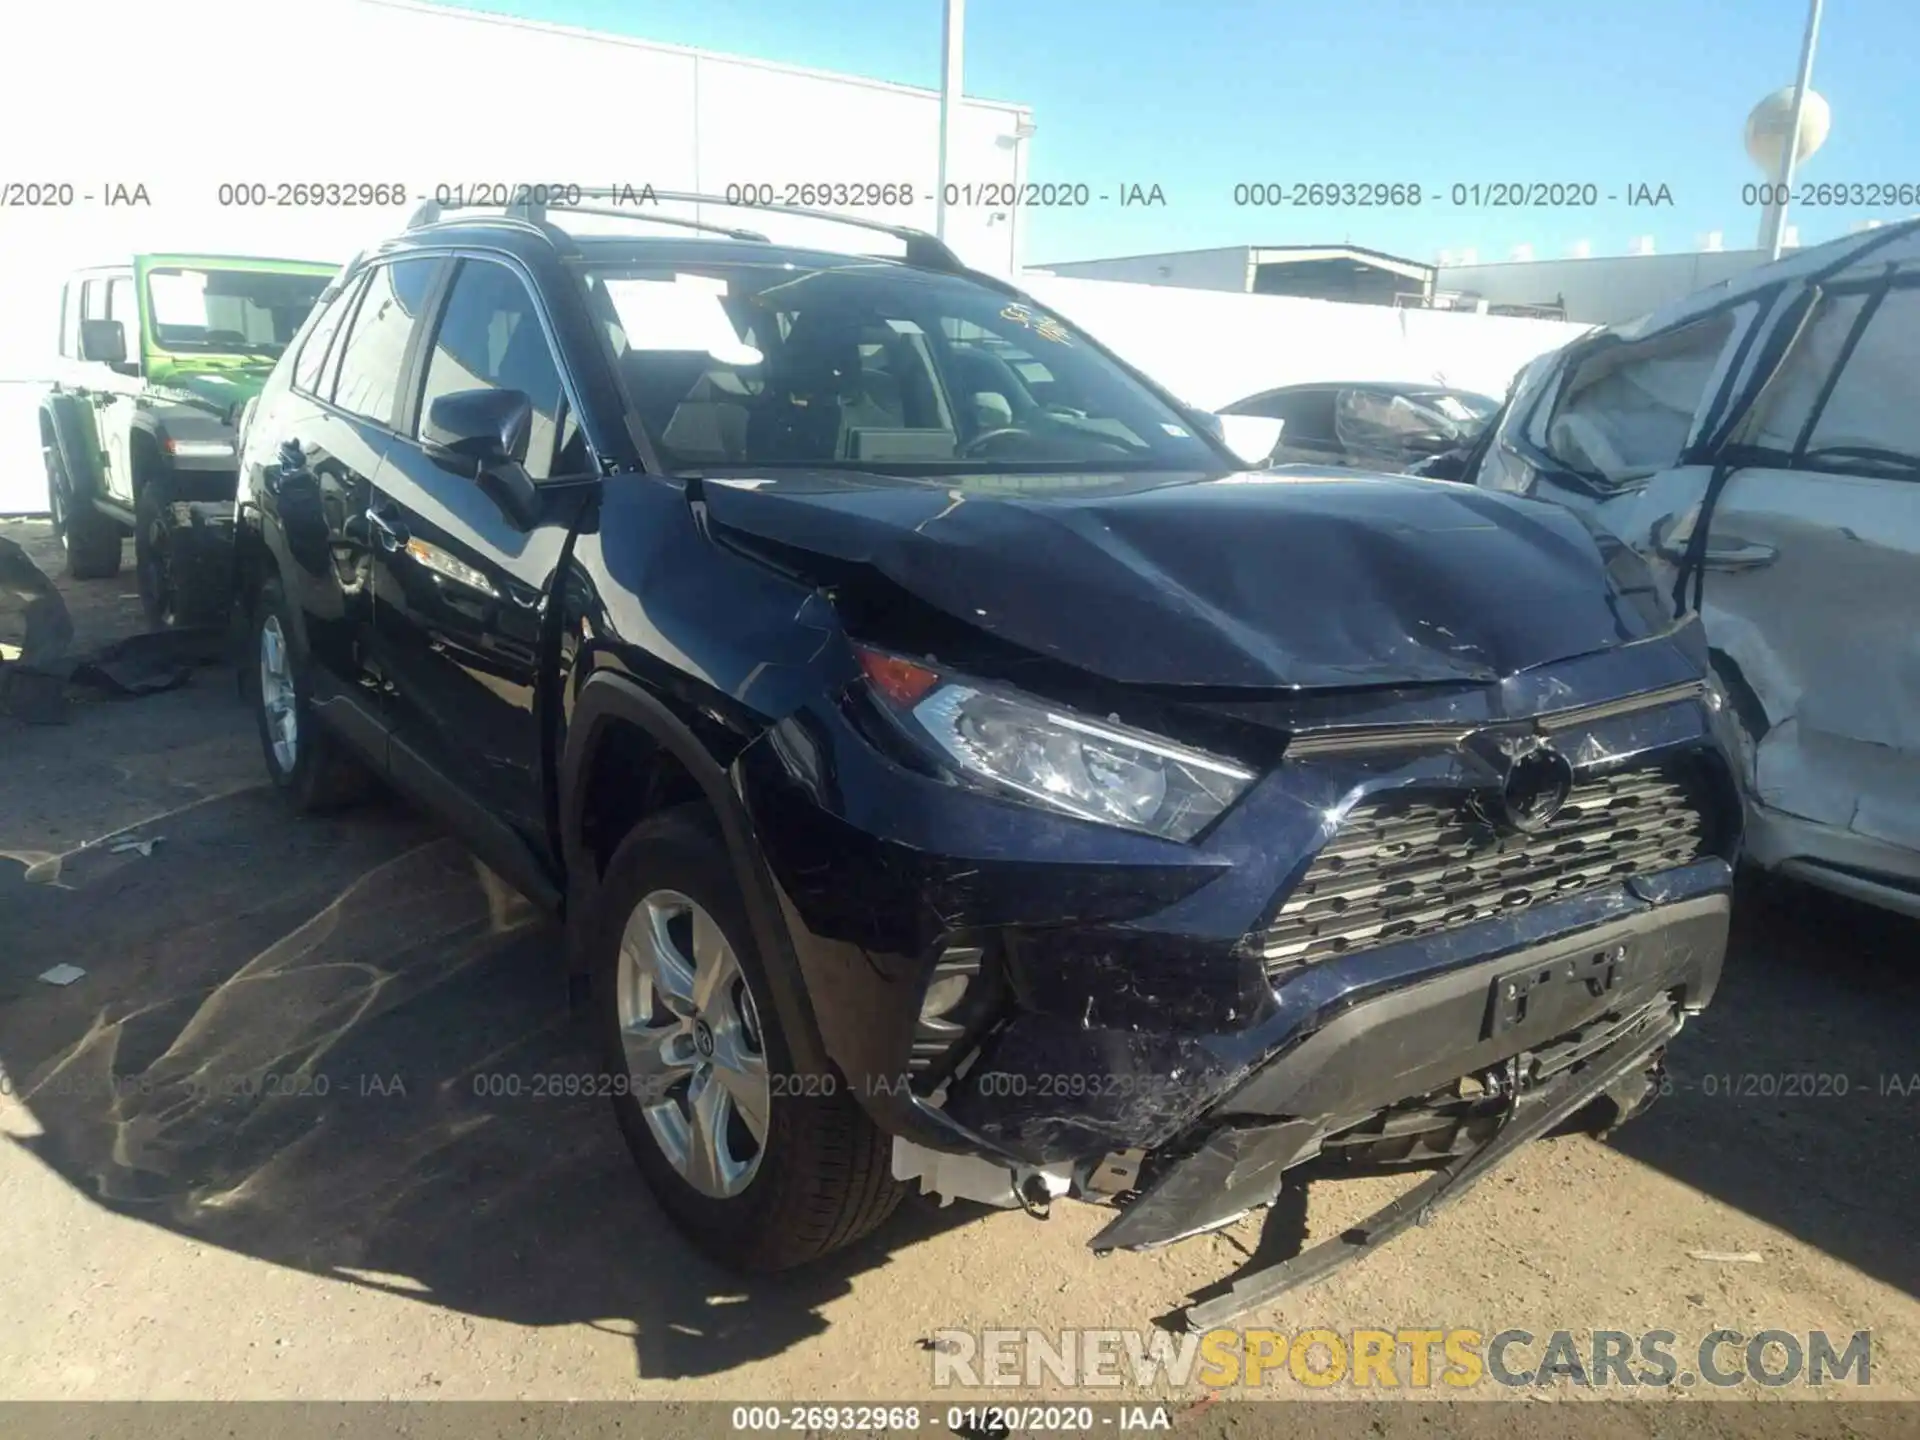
<point x="1759" y="444"/>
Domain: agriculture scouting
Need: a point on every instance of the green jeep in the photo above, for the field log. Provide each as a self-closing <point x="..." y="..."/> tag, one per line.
<point x="158" y="359"/>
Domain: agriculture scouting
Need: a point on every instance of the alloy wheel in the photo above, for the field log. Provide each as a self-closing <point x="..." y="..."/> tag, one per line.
<point x="277" y="695"/>
<point x="691" y="1034"/>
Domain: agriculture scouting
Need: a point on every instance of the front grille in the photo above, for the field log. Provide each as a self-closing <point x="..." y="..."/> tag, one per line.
<point x="1407" y="868"/>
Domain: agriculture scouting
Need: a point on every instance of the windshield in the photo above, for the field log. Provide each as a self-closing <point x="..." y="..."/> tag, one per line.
<point x="871" y="366"/>
<point x="229" y="312"/>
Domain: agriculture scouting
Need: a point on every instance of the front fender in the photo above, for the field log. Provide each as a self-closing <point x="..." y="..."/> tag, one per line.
<point x="607" y="699"/>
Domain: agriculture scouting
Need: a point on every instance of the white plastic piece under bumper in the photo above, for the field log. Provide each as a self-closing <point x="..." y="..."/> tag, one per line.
<point x="966" y="1177"/>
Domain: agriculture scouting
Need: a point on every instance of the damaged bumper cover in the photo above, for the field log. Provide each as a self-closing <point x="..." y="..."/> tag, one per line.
<point x="1132" y="994"/>
<point x="1558" y="1009"/>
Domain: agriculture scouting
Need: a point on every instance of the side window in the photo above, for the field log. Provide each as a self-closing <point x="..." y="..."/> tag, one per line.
<point x="121" y="307"/>
<point x="93" y="300"/>
<point x="313" y="353"/>
<point x="70" y="320"/>
<point x="1308" y="415"/>
<point x="574" y="458"/>
<point x="1375" y="420"/>
<point x="1870" y="412"/>
<point x="490" y="338"/>
<point x="375" y="346"/>
<point x="1627" y="410"/>
<point x="1788" y="404"/>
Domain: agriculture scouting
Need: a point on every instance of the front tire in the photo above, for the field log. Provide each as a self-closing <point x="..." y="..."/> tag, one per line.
<point x="761" y="1167"/>
<point x="306" y="762"/>
<point x="90" y="541"/>
<point x="177" y="586"/>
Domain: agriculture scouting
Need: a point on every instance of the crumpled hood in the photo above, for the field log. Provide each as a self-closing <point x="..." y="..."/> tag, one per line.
<point x="1273" y="578"/>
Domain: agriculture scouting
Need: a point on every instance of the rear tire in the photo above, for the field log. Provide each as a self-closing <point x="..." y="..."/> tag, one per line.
<point x="820" y="1174"/>
<point x="90" y="541"/>
<point x="306" y="761"/>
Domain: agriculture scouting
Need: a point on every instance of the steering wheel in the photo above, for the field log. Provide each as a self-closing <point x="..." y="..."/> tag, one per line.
<point x="980" y="440"/>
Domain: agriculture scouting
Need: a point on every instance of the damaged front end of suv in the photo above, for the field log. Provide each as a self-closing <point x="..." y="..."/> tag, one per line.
<point x="1169" y="837"/>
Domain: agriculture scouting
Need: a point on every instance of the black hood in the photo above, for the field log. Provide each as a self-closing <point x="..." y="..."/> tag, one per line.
<point x="1268" y="579"/>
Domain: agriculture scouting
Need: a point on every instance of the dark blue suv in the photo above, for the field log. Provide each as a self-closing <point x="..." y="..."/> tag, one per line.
<point x="950" y="764"/>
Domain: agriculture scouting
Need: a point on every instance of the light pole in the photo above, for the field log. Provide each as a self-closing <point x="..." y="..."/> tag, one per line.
<point x="1774" y="220"/>
<point x="950" y="55"/>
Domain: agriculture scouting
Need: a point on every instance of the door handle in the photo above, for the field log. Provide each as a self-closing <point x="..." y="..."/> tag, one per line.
<point x="388" y="535"/>
<point x="1728" y="552"/>
<point x="1739" y="556"/>
<point x="1735" y="555"/>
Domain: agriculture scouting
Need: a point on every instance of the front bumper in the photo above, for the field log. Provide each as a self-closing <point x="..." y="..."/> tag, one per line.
<point x="1556" y="1008"/>
<point x="1131" y="1014"/>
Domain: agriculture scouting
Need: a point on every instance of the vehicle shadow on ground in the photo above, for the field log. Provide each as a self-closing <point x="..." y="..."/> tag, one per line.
<point x="343" y="1046"/>
<point x="1796" y="1097"/>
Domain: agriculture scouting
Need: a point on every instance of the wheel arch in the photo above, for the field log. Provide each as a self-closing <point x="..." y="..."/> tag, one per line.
<point x="612" y="709"/>
<point x="146" y="459"/>
<point x="61" y="426"/>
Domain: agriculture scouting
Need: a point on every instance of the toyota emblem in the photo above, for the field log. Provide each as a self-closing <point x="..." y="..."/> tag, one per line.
<point x="1537" y="786"/>
<point x="1534" y="781"/>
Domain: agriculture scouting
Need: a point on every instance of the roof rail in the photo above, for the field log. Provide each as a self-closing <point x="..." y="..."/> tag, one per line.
<point x="431" y="212"/>
<point x="924" y="251"/>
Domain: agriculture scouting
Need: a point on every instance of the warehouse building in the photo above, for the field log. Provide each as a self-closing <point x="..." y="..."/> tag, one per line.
<point x="1583" y="289"/>
<point x="1347" y="273"/>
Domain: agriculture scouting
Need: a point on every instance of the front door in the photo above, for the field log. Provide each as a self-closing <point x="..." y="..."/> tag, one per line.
<point x="463" y="588"/>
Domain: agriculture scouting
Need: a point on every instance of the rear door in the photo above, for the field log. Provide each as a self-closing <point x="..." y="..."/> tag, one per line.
<point x="106" y="392"/>
<point x="73" y="376"/>
<point x="462" y="588"/>
<point x="324" y="444"/>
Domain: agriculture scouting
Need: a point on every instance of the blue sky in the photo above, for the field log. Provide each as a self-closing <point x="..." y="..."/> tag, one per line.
<point x="1199" y="95"/>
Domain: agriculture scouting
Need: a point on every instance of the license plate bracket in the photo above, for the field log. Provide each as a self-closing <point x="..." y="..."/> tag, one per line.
<point x="1545" y="989"/>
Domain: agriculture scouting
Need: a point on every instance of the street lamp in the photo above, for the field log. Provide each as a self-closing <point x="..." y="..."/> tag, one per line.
<point x="950" y="54"/>
<point x="1784" y="129"/>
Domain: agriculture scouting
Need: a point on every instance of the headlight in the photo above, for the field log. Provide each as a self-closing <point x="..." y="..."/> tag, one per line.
<point x="200" y="449"/>
<point x="1095" y="770"/>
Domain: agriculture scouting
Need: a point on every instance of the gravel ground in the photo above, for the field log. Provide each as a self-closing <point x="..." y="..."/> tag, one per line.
<point x="185" y="1217"/>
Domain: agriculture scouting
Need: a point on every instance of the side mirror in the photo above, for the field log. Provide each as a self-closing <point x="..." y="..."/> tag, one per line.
<point x="103" y="341"/>
<point x="483" y="434"/>
<point x="478" y="427"/>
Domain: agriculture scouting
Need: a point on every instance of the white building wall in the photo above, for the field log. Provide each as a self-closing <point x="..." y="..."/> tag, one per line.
<point x="185" y="98"/>
<point x="1230" y="268"/>
<point x="1605" y="290"/>
<point x="1212" y="349"/>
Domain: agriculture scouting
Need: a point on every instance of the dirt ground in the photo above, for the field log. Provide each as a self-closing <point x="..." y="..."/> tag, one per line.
<point x="186" y="1217"/>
